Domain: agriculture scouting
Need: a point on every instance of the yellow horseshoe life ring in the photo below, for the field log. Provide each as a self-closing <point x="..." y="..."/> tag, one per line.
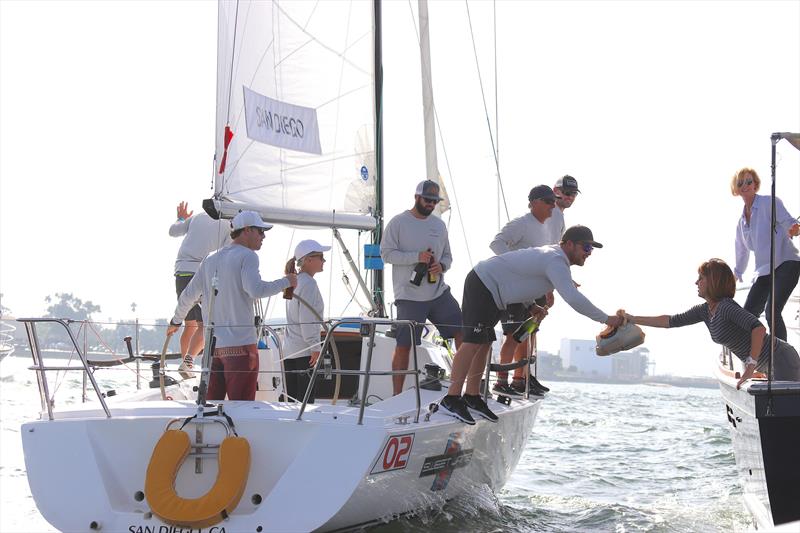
<point x="159" y="486"/>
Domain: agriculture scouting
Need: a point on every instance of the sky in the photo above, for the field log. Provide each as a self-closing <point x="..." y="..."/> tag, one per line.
<point x="107" y="122"/>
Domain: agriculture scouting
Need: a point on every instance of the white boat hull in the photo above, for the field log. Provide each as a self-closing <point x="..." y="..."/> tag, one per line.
<point x="325" y="472"/>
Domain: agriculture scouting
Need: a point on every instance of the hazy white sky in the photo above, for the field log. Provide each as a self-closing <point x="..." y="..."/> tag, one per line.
<point x="107" y="121"/>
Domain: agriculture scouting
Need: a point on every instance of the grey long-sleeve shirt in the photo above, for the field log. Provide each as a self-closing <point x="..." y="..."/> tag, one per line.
<point x="522" y="232"/>
<point x="403" y="239"/>
<point x="303" y="326"/>
<point x="203" y="236"/>
<point x="239" y="283"/>
<point x="522" y="276"/>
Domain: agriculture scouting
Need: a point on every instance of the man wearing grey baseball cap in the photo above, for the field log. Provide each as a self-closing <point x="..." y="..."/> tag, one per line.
<point x="566" y="189"/>
<point x="230" y="282"/>
<point x="417" y="246"/>
<point x="520" y="276"/>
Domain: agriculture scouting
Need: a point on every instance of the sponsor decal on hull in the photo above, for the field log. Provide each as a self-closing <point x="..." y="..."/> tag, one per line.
<point x="442" y="466"/>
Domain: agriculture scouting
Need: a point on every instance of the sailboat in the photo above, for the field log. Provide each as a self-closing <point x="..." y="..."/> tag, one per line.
<point x="764" y="422"/>
<point x="299" y="134"/>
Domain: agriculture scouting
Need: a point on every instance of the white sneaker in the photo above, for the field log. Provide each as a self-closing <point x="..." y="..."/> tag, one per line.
<point x="185" y="370"/>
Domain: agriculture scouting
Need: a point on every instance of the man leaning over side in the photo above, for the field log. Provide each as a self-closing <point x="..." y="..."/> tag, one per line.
<point x="520" y="276"/>
<point x="527" y="231"/>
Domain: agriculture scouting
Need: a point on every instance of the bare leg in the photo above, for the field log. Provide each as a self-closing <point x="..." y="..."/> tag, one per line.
<point x="458" y="337"/>
<point x="477" y="370"/>
<point x="520" y="353"/>
<point x="399" y="362"/>
<point x="189" y="329"/>
<point x="198" y="340"/>
<point x="462" y="361"/>
<point x="507" y="352"/>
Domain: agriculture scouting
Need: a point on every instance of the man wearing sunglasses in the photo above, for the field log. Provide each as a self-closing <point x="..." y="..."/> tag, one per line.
<point x="566" y="190"/>
<point x="520" y="276"/>
<point x="229" y="282"/>
<point x="410" y="238"/>
<point x="527" y="231"/>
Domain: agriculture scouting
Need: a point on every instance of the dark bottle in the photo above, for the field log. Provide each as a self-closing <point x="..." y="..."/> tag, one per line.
<point x="525" y="330"/>
<point x="420" y="269"/>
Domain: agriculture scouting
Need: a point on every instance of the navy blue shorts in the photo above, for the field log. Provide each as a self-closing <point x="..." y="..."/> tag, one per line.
<point x="481" y="314"/>
<point x="182" y="279"/>
<point x="443" y="311"/>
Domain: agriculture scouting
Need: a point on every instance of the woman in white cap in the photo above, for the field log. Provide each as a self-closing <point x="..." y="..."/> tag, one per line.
<point x="304" y="314"/>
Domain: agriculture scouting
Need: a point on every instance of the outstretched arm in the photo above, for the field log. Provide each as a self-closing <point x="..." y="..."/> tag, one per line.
<point x="661" y="321"/>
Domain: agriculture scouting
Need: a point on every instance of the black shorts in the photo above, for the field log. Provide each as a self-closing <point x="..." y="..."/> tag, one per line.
<point x="480" y="312"/>
<point x="182" y="279"/>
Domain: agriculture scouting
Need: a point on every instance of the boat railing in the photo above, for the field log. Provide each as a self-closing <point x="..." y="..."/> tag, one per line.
<point x="41" y="368"/>
<point x="367" y="328"/>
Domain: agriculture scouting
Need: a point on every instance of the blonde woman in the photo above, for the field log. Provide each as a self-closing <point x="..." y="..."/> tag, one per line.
<point x="304" y="313"/>
<point x="730" y="325"/>
<point x="753" y="235"/>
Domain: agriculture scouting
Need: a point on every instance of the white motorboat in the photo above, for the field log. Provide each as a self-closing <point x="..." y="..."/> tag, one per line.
<point x="764" y="421"/>
<point x="296" y="86"/>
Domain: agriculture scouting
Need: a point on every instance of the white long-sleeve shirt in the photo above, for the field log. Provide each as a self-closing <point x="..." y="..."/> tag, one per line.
<point x="755" y="237"/>
<point x="239" y="283"/>
<point x="556" y="226"/>
<point x="303" y="325"/>
<point x="522" y="276"/>
<point x="522" y="232"/>
<point x="203" y="236"/>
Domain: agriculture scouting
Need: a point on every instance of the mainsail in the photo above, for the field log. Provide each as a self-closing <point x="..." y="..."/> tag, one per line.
<point x="295" y="127"/>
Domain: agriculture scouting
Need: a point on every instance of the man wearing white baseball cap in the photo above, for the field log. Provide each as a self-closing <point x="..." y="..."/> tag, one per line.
<point x="230" y="282"/>
<point x="304" y="315"/>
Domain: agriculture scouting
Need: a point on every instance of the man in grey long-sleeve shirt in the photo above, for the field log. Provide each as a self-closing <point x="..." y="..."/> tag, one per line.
<point x="231" y="275"/>
<point x="515" y="277"/>
<point x="413" y="237"/>
<point x="527" y="231"/>
<point x="201" y="236"/>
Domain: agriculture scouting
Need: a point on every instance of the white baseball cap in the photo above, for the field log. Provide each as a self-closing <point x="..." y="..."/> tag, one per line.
<point x="308" y="246"/>
<point x="246" y="219"/>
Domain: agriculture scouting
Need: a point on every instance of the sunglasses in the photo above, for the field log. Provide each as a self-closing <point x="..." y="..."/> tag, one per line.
<point x="318" y="256"/>
<point x="261" y="231"/>
<point x="748" y="181"/>
<point x="570" y="193"/>
<point x="548" y="201"/>
<point x="433" y="201"/>
<point x="587" y="247"/>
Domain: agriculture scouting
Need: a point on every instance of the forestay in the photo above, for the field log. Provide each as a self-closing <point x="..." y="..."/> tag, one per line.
<point x="295" y="101"/>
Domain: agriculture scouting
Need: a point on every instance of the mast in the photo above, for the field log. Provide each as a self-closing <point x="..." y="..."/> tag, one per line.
<point x="377" y="233"/>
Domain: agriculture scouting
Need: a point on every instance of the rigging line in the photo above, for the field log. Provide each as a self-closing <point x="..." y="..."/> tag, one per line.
<point x="444" y="152"/>
<point x="486" y="112"/>
<point x="496" y="102"/>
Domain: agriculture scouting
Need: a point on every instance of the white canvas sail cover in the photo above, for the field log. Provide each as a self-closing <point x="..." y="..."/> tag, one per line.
<point x="295" y="99"/>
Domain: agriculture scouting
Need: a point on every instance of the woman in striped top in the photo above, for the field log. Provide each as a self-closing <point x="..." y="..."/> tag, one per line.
<point x="730" y="325"/>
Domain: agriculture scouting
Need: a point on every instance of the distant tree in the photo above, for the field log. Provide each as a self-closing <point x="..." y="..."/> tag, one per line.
<point x="3" y="309"/>
<point x="68" y="306"/>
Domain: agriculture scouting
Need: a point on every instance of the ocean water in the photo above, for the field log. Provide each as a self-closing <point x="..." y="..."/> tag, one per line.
<point x="600" y="458"/>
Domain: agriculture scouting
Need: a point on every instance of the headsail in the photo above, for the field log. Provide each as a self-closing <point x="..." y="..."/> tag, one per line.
<point x="295" y="112"/>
